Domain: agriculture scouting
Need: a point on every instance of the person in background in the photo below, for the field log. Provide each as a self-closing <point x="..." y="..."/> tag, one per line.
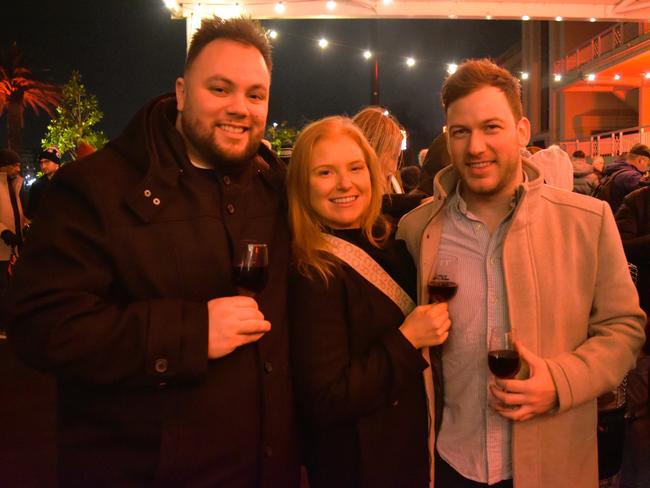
<point x="384" y="133"/>
<point x="633" y="220"/>
<point x="584" y="178"/>
<point x="50" y="160"/>
<point x="355" y="330"/>
<point x="410" y="176"/>
<point x="627" y="173"/>
<point x="598" y="164"/>
<point x="437" y="158"/>
<point x="12" y="219"/>
<point x="544" y="263"/>
<point x="167" y="375"/>
<point x="556" y="167"/>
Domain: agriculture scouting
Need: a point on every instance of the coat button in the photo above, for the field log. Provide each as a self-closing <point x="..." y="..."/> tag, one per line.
<point x="147" y="193"/>
<point x="395" y="403"/>
<point x="268" y="367"/>
<point x="161" y="365"/>
<point x="268" y="451"/>
<point x="230" y="208"/>
<point x="156" y="201"/>
<point x="226" y="180"/>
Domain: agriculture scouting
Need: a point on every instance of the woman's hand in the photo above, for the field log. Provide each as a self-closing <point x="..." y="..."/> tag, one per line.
<point x="427" y="325"/>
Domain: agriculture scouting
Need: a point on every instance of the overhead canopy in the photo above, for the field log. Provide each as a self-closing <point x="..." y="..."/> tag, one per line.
<point x="603" y="10"/>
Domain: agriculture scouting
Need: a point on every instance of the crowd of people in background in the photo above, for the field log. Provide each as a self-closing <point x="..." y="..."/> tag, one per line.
<point x="339" y="360"/>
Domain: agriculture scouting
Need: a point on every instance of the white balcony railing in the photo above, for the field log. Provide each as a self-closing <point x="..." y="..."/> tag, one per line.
<point x="612" y="143"/>
<point x="601" y="45"/>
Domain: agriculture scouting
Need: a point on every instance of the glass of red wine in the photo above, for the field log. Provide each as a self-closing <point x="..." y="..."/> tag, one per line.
<point x="250" y="267"/>
<point x="442" y="285"/>
<point x="503" y="358"/>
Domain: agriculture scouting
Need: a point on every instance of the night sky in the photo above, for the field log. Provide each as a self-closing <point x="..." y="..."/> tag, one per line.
<point x="129" y="51"/>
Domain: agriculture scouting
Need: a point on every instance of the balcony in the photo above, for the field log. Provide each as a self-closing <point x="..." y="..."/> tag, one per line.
<point x="612" y="143"/>
<point x="620" y="36"/>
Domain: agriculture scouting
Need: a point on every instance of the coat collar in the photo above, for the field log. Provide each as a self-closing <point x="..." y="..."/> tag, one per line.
<point x="152" y="144"/>
<point x="526" y="194"/>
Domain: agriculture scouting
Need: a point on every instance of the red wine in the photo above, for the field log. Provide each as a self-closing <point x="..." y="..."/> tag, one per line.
<point x="441" y="290"/>
<point x="504" y="363"/>
<point x="252" y="278"/>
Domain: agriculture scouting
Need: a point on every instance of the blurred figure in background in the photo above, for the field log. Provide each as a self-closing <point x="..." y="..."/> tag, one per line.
<point x="12" y="219"/>
<point x="626" y="174"/>
<point x="556" y="167"/>
<point x="50" y="160"/>
<point x="436" y="159"/>
<point x="584" y="178"/>
<point x="598" y="165"/>
<point x="633" y="220"/>
<point x="385" y="135"/>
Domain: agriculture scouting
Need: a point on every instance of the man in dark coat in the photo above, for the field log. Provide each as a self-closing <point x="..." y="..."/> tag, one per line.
<point x="166" y="375"/>
<point x="627" y="173"/>
<point x="49" y="159"/>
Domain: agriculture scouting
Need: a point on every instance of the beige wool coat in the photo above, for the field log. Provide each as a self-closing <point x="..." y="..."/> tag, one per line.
<point x="571" y="301"/>
<point x="7" y="213"/>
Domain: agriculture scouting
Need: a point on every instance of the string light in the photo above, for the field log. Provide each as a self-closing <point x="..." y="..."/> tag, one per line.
<point x="525" y="17"/>
<point x="410" y="62"/>
<point x="557" y="77"/>
<point x="331" y="5"/>
<point x="488" y="17"/>
<point x="591" y="77"/>
<point x="451" y="68"/>
<point x="524" y="75"/>
<point x="170" y="4"/>
<point x="617" y="77"/>
<point x="387" y="2"/>
<point x="273" y="34"/>
<point x="367" y="54"/>
<point x="647" y="75"/>
<point x="323" y="43"/>
<point x="592" y="19"/>
<point x="280" y="8"/>
<point x="559" y="18"/>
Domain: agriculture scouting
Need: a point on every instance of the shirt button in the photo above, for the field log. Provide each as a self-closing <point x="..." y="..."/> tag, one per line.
<point x="147" y="193"/>
<point x="161" y="365"/>
<point x="156" y="201"/>
<point x="268" y="367"/>
<point x="230" y="208"/>
<point x="268" y="451"/>
<point x="226" y="180"/>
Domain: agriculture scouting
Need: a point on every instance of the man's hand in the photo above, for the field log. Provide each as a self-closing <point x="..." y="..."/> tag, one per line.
<point x="233" y="322"/>
<point x="524" y="399"/>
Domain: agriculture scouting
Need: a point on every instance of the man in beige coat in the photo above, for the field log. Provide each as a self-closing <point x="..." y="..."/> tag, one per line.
<point x="541" y="262"/>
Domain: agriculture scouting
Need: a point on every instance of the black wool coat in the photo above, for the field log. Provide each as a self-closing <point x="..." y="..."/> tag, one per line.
<point x="110" y="296"/>
<point x="358" y="380"/>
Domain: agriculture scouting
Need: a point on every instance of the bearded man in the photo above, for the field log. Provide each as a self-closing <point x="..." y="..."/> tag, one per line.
<point x="166" y="375"/>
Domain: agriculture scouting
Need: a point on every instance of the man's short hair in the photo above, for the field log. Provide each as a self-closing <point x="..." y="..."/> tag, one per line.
<point x="640" y="150"/>
<point x="478" y="73"/>
<point x="244" y="30"/>
<point x="578" y="154"/>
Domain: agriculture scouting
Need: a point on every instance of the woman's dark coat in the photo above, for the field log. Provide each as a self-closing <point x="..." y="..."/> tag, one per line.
<point x="358" y="380"/>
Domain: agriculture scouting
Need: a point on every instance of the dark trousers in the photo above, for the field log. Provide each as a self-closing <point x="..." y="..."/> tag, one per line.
<point x="448" y="477"/>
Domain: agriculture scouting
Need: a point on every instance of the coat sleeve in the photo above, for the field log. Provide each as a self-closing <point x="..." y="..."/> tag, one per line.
<point x="615" y="329"/>
<point x="70" y="316"/>
<point x="332" y="384"/>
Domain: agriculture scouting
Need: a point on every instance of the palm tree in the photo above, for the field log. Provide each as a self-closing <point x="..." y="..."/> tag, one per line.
<point x="21" y="88"/>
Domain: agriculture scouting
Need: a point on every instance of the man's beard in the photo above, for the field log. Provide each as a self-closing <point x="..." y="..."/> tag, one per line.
<point x="203" y="143"/>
